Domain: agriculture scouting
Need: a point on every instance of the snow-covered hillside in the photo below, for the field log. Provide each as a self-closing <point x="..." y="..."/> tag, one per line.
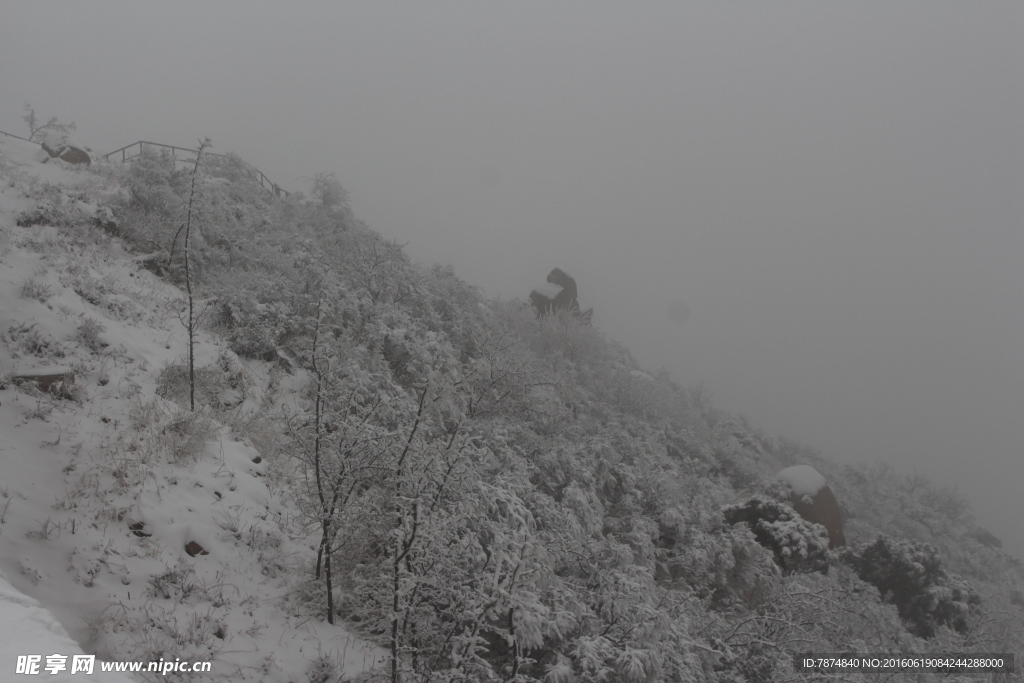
<point x="386" y="476"/>
<point x="102" y="490"/>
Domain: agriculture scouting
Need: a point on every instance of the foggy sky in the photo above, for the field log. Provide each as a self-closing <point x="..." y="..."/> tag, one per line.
<point x="834" y="191"/>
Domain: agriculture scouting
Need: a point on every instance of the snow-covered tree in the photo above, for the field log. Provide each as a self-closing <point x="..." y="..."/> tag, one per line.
<point x="798" y="545"/>
<point x="911" y="576"/>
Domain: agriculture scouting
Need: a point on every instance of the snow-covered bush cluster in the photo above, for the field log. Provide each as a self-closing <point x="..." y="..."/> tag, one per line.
<point x="911" y="576"/>
<point x="480" y="493"/>
<point x="798" y="545"/>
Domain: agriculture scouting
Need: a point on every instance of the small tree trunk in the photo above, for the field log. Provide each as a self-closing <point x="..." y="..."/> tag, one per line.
<point x="402" y="545"/>
<point x="319" y="371"/>
<point x="330" y="588"/>
<point x="515" y="642"/>
<point x="415" y="641"/>
<point x="320" y="551"/>
<point x="394" y="616"/>
<point x="191" y="326"/>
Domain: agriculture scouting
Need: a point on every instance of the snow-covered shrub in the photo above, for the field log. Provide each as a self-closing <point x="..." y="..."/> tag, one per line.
<point x="153" y="632"/>
<point x="334" y="198"/>
<point x="798" y="545"/>
<point x="635" y="392"/>
<point x="29" y="339"/>
<point x="986" y="537"/>
<point x="171" y="432"/>
<point x="323" y="669"/>
<point x="911" y="576"/>
<point x="150" y="215"/>
<point x="217" y="386"/>
<point x="89" y="332"/>
<point x="53" y="206"/>
<point x="34" y="289"/>
<point x="737" y="453"/>
<point x="176" y="583"/>
<point x="187" y="433"/>
<point x="269" y="320"/>
<point x="563" y="338"/>
<point x="104" y="291"/>
<point x="149" y="212"/>
<point x="250" y="336"/>
<point x="723" y="565"/>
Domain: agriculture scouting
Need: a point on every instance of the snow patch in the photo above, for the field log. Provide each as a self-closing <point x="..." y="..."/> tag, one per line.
<point x="28" y="628"/>
<point x="803" y="480"/>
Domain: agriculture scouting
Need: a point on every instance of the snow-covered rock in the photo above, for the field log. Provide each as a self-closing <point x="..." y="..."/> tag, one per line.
<point x="810" y="496"/>
<point x="803" y="480"/>
<point x="59" y="146"/>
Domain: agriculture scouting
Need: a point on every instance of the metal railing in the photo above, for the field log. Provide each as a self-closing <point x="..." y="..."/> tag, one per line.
<point x="12" y="135"/>
<point x="265" y="182"/>
<point x="126" y="156"/>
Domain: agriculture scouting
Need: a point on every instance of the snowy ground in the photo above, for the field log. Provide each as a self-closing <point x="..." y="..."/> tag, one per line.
<point x="27" y="628"/>
<point x="100" y="492"/>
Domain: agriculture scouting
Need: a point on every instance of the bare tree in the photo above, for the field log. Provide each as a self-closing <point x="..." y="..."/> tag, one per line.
<point x="37" y="129"/>
<point x="193" y="320"/>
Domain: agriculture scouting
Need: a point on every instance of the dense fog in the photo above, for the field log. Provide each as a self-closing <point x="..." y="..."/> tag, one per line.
<point x="815" y="210"/>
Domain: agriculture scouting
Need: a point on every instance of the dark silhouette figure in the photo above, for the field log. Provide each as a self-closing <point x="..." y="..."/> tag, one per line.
<point x="565" y="300"/>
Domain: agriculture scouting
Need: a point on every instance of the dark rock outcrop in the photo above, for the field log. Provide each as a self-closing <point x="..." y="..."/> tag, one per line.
<point x="193" y="549"/>
<point x="811" y="497"/>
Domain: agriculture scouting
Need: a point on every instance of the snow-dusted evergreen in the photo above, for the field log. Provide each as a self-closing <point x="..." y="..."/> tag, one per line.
<point x="387" y="476"/>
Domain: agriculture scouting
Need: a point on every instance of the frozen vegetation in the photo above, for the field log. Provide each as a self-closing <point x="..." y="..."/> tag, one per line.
<point x="386" y="476"/>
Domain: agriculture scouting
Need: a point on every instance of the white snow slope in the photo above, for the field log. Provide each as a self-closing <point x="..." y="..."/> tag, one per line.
<point x="100" y="492"/>
<point x="27" y="628"/>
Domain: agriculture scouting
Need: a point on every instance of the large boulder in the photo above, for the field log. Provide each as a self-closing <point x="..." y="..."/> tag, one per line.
<point x="811" y="497"/>
<point x="58" y="146"/>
